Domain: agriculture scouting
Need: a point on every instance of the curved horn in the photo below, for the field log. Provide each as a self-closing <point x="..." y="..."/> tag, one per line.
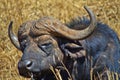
<point x="12" y="36"/>
<point x="49" y="25"/>
<point x="80" y="34"/>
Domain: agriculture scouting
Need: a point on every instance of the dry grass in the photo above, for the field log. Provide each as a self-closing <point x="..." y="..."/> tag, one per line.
<point x="107" y="11"/>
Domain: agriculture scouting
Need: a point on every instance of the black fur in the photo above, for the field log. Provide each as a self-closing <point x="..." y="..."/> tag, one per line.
<point x="102" y="51"/>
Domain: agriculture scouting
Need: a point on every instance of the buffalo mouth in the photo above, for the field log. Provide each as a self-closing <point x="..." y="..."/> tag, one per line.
<point x="29" y="74"/>
<point x="35" y="76"/>
<point x="41" y="76"/>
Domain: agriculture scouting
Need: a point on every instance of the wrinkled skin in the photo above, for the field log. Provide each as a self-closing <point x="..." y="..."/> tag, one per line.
<point x="41" y="49"/>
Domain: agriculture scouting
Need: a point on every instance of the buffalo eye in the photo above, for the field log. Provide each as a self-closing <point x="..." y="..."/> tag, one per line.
<point x="46" y="47"/>
<point x="24" y="43"/>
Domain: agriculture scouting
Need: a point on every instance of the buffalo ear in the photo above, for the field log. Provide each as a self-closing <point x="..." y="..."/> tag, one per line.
<point x="73" y="50"/>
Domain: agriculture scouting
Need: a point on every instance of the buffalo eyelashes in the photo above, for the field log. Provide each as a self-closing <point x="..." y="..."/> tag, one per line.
<point x="46" y="47"/>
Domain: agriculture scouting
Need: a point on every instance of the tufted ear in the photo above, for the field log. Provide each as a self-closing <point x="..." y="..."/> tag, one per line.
<point x="73" y="50"/>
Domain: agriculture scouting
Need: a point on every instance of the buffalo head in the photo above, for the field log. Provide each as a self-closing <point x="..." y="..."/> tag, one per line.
<point x="38" y="41"/>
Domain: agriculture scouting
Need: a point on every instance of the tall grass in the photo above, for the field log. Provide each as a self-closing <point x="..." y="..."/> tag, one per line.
<point x="107" y="11"/>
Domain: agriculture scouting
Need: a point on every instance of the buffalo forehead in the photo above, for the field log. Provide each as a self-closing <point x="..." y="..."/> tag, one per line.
<point x="46" y="39"/>
<point x="47" y="20"/>
<point x="25" y="28"/>
<point x="43" y="38"/>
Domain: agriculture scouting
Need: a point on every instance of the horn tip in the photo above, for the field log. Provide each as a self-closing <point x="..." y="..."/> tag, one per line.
<point x="86" y="7"/>
<point x="11" y="22"/>
<point x="10" y="25"/>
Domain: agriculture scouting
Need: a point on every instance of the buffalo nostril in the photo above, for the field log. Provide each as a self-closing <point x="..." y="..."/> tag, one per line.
<point x="28" y="64"/>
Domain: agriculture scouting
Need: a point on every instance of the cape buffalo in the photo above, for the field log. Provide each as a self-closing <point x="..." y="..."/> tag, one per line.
<point x="84" y="46"/>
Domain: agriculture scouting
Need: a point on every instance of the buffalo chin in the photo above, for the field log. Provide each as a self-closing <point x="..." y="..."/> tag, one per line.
<point x="36" y="75"/>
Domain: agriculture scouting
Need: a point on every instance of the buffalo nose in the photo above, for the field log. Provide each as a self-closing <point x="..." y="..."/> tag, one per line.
<point x="28" y="64"/>
<point x="25" y="67"/>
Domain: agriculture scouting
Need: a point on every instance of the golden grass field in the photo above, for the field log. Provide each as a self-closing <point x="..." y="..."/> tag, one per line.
<point x="106" y="11"/>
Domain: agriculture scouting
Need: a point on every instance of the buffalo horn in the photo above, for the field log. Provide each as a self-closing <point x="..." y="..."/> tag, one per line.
<point x="54" y="27"/>
<point x="12" y="36"/>
<point x="79" y="34"/>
